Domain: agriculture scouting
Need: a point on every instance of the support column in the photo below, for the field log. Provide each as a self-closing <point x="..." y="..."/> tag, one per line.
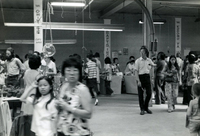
<point x="38" y="30"/>
<point x="146" y="28"/>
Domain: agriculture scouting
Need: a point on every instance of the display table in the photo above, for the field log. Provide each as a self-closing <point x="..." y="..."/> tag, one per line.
<point x="14" y="105"/>
<point x="115" y="84"/>
<point x="131" y="84"/>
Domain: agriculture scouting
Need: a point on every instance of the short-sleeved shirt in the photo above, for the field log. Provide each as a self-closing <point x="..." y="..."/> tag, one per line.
<point x="14" y="66"/>
<point x="143" y="66"/>
<point x="193" y="74"/>
<point x="43" y="119"/>
<point x="91" y="69"/>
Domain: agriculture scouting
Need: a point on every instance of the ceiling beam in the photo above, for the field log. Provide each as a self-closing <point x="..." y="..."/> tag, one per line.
<point x="116" y="6"/>
<point x="182" y="2"/>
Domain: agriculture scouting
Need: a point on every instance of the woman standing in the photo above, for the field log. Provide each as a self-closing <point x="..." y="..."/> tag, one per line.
<point x="159" y="78"/>
<point x="192" y="75"/>
<point x="130" y="67"/>
<point x="172" y="80"/>
<point x="108" y="75"/>
<point x="74" y="102"/>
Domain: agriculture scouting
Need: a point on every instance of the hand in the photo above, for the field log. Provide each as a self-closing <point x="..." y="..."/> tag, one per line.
<point x="61" y="104"/>
<point x="139" y="83"/>
<point x="34" y="84"/>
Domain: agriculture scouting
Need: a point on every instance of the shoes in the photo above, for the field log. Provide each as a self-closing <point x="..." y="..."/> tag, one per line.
<point x="142" y="112"/>
<point x="96" y="102"/>
<point x="173" y="107"/>
<point x="148" y="111"/>
<point x="163" y="102"/>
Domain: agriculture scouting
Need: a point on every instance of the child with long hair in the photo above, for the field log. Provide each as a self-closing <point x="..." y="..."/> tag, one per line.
<point x="193" y="112"/>
<point x="44" y="110"/>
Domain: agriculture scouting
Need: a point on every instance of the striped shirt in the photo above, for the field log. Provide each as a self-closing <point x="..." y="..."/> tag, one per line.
<point x="91" y="69"/>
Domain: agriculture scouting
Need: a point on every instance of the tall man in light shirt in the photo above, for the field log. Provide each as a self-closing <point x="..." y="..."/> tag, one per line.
<point x="143" y="66"/>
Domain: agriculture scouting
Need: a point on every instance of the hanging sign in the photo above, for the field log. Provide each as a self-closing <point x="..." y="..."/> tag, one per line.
<point x="107" y="44"/>
<point x="177" y="35"/>
<point x="38" y="30"/>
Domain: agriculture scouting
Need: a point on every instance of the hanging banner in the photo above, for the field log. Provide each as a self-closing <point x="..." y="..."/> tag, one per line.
<point x="107" y="44"/>
<point x="38" y="30"/>
<point x="177" y="35"/>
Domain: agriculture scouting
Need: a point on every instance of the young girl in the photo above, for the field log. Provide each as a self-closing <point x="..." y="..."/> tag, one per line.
<point x="193" y="112"/>
<point x="44" y="110"/>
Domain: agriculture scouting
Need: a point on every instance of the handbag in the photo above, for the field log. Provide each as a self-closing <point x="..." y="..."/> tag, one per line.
<point x="169" y="78"/>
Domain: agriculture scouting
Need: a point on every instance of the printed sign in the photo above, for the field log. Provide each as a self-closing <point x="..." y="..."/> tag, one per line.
<point x="107" y="44"/>
<point x="38" y="30"/>
<point x="177" y="35"/>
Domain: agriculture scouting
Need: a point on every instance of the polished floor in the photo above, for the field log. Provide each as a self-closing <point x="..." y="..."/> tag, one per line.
<point x="119" y="115"/>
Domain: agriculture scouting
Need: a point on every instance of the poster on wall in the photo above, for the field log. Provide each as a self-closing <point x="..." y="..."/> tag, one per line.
<point x="38" y="30"/>
<point x="114" y="54"/>
<point x="107" y="44"/>
<point x="177" y="35"/>
<point x="125" y="51"/>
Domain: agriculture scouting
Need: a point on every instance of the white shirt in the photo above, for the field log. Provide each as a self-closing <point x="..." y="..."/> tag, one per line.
<point x="143" y="66"/>
<point x="43" y="122"/>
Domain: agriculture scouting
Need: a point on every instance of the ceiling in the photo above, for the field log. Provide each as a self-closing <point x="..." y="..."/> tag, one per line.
<point x="106" y="8"/>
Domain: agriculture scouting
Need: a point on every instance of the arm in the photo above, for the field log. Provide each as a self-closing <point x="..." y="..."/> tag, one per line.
<point x="27" y="92"/>
<point x="189" y="110"/>
<point x="86" y="102"/>
<point x="137" y="78"/>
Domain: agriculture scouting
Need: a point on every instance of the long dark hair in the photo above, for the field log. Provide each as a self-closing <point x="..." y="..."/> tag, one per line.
<point x="196" y="91"/>
<point x="175" y="64"/>
<point x="38" y="94"/>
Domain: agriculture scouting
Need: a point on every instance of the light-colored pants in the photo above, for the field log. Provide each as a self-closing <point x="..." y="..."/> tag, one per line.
<point x="171" y="90"/>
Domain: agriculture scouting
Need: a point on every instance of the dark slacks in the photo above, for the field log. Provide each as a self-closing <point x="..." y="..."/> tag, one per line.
<point x="145" y="85"/>
<point x="109" y="91"/>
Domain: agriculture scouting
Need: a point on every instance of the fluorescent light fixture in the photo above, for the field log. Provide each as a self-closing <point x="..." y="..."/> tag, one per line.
<point x="67" y="41"/>
<point x="71" y="26"/>
<point x="69" y="4"/>
<point x="20" y="24"/>
<point x="154" y="22"/>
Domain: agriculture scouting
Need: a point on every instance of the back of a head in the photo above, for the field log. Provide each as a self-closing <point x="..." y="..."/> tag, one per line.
<point x="196" y="89"/>
<point x="107" y="60"/>
<point x="191" y="58"/>
<point x="97" y="55"/>
<point x="89" y="56"/>
<point x="34" y="61"/>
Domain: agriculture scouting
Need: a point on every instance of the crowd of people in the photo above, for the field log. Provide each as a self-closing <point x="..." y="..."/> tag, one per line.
<point x="66" y="110"/>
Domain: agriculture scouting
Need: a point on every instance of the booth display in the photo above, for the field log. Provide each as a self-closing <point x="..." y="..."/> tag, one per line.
<point x="131" y="84"/>
<point x="115" y="84"/>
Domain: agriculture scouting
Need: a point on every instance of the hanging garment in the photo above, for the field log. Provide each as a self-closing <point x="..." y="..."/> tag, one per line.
<point x="5" y="119"/>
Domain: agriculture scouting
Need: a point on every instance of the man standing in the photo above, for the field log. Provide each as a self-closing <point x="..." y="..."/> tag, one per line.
<point x="143" y="66"/>
<point x="14" y="67"/>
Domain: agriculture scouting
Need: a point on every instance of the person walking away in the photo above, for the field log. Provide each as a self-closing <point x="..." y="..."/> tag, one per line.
<point x="91" y="70"/>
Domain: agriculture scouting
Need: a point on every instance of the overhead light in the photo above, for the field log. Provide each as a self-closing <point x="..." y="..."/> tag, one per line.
<point x="71" y="26"/>
<point x="66" y="41"/>
<point x="69" y="3"/>
<point x="155" y="22"/>
<point x="20" y="24"/>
